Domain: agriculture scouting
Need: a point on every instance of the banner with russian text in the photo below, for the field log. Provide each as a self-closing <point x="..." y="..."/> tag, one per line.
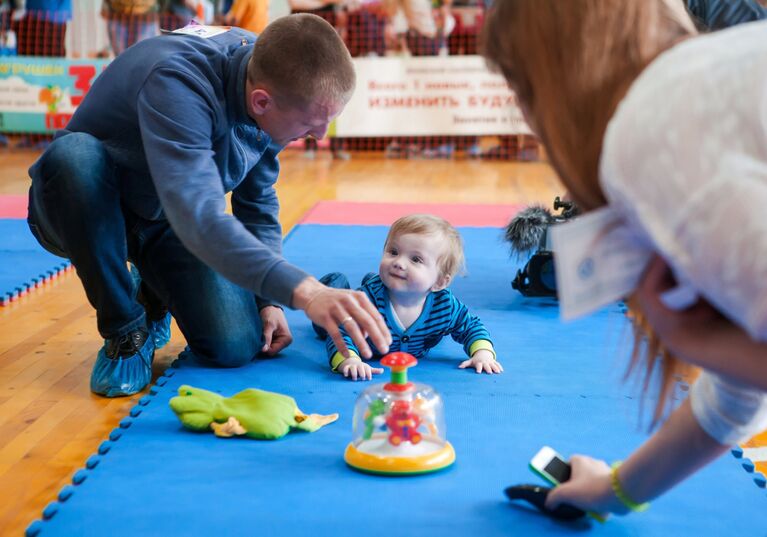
<point x="423" y="96"/>
<point x="39" y="95"/>
<point x="429" y="96"/>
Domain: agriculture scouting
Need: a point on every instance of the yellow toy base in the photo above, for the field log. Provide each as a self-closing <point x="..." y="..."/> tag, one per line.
<point x="363" y="460"/>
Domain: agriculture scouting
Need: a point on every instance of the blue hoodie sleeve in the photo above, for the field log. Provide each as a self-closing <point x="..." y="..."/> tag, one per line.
<point x="255" y="204"/>
<point x="177" y="113"/>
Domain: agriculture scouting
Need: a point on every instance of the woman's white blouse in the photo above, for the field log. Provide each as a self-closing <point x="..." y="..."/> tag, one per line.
<point x="685" y="161"/>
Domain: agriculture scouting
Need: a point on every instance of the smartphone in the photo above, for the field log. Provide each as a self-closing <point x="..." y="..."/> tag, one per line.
<point x="550" y="465"/>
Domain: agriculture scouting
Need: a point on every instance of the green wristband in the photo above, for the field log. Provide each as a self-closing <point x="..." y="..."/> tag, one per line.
<point x="621" y="494"/>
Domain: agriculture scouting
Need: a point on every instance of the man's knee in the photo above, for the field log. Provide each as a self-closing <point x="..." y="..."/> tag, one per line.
<point x="231" y="350"/>
<point x="232" y="338"/>
<point x="76" y="164"/>
<point x="220" y="320"/>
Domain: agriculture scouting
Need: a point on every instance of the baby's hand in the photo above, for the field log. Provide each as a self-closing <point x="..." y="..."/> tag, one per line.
<point x="356" y="368"/>
<point x="483" y="360"/>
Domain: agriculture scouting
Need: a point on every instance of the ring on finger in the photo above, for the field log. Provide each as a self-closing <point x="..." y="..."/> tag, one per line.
<point x="346" y="320"/>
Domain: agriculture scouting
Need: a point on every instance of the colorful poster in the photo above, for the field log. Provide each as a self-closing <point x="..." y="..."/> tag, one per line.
<point x="426" y="96"/>
<point x="429" y="96"/>
<point x="39" y="95"/>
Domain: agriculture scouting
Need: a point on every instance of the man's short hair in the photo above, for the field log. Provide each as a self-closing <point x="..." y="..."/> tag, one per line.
<point x="302" y="60"/>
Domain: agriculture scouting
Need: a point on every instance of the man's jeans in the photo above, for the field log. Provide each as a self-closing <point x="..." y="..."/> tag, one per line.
<point x="75" y="211"/>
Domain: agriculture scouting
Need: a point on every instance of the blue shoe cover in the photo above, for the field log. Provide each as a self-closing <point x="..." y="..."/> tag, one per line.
<point x="160" y="331"/>
<point x="122" y="376"/>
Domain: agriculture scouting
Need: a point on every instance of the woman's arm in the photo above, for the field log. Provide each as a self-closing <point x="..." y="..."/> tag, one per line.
<point x="677" y="450"/>
<point x="703" y="337"/>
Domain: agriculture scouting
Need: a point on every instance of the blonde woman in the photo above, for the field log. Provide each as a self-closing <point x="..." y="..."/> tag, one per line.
<point x="669" y="129"/>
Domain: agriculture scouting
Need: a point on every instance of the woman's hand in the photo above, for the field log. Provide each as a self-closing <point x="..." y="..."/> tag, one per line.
<point x="700" y="335"/>
<point x="676" y="328"/>
<point x="588" y="488"/>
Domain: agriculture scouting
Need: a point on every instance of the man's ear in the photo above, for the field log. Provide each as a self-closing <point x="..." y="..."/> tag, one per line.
<point x="260" y="101"/>
<point x="442" y="283"/>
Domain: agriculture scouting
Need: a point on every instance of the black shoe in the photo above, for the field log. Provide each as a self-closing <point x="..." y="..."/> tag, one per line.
<point x="127" y="345"/>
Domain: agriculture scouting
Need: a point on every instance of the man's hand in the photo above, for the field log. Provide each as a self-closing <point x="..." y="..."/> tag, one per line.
<point x="332" y="308"/>
<point x="483" y="360"/>
<point x="357" y="369"/>
<point x="277" y="334"/>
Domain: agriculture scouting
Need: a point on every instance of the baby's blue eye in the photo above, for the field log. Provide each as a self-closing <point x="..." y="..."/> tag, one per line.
<point x="417" y="260"/>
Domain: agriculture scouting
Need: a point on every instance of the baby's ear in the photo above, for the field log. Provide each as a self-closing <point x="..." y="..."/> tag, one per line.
<point x="442" y="283"/>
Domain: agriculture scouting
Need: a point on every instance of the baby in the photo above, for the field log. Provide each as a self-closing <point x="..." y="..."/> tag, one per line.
<point x="421" y="255"/>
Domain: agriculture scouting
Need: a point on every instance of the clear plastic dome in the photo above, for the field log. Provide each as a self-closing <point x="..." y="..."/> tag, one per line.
<point x="399" y="426"/>
<point x="399" y="423"/>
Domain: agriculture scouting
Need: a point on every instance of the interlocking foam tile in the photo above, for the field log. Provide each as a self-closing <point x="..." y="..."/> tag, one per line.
<point x="560" y="387"/>
<point x="24" y="264"/>
<point x="755" y="449"/>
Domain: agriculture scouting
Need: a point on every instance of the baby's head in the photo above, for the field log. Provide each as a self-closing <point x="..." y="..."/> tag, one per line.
<point x="422" y="254"/>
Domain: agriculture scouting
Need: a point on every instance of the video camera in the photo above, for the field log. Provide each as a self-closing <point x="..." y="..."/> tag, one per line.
<point x="528" y="231"/>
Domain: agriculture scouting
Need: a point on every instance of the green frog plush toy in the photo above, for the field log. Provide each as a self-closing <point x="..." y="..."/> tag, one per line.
<point x="253" y="413"/>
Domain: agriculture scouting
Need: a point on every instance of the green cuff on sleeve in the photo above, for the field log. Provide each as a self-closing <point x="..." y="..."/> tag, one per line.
<point x="338" y="358"/>
<point x="481" y="344"/>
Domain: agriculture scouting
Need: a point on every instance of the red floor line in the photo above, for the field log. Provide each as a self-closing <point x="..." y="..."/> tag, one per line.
<point x="13" y="206"/>
<point x="367" y="213"/>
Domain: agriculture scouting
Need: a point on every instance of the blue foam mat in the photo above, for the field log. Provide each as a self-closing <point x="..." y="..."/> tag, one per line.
<point x="560" y="388"/>
<point x="23" y="262"/>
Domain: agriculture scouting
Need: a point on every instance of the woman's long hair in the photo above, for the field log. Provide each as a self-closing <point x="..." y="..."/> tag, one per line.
<point x="570" y="62"/>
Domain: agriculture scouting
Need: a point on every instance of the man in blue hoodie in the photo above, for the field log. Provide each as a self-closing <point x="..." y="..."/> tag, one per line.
<point x="140" y="174"/>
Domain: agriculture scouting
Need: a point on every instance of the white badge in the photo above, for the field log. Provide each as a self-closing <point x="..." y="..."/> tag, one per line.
<point x="597" y="261"/>
<point x="202" y="30"/>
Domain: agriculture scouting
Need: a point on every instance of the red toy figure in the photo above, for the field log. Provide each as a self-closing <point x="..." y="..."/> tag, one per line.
<point x="403" y="424"/>
<point x="403" y="407"/>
